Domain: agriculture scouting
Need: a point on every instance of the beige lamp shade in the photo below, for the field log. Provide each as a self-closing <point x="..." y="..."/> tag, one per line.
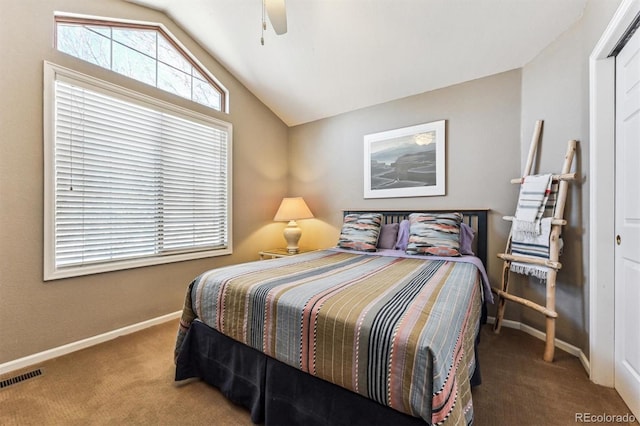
<point x="292" y="209"/>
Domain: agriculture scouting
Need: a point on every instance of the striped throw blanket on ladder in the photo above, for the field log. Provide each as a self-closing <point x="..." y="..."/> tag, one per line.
<point x="531" y="227"/>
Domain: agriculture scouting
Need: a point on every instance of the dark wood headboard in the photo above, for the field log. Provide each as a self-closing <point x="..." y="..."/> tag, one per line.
<point x="476" y="219"/>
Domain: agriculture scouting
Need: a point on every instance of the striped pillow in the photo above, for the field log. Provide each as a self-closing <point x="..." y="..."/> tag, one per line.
<point x="360" y="231"/>
<point x="435" y="234"/>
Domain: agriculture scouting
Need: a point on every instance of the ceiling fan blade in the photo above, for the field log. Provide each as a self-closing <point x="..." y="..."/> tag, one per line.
<point x="277" y="15"/>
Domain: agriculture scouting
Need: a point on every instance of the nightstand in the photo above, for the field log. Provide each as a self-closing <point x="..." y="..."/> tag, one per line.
<point x="277" y="252"/>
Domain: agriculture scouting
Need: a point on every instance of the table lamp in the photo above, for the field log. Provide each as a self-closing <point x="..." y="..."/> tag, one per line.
<point x="290" y="210"/>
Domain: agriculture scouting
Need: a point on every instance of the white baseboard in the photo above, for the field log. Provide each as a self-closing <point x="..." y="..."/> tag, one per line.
<point x="40" y="357"/>
<point x="101" y="338"/>
<point x="560" y="344"/>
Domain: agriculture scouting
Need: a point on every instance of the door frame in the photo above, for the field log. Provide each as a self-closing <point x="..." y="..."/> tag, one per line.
<point x="601" y="195"/>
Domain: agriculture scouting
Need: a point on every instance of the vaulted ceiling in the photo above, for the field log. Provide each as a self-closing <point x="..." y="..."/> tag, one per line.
<point x="342" y="55"/>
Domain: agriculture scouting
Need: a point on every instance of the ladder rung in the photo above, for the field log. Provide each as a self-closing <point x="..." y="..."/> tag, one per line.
<point x="553" y="222"/>
<point x="564" y="176"/>
<point x="541" y="262"/>
<point x="526" y="302"/>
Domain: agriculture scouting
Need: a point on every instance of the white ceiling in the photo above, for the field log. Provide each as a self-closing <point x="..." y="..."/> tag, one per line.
<point x="341" y="55"/>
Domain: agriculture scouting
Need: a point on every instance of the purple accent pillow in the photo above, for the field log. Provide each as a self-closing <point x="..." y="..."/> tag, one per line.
<point x="388" y="236"/>
<point x="403" y="235"/>
<point x="466" y="239"/>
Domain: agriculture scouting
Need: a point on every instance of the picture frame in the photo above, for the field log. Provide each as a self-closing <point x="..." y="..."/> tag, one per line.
<point x="406" y="162"/>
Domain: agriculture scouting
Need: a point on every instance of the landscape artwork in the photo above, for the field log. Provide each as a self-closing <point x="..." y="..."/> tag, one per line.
<point x="407" y="162"/>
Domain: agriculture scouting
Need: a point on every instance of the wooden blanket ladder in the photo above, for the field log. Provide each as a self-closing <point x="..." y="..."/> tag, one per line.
<point x="553" y="264"/>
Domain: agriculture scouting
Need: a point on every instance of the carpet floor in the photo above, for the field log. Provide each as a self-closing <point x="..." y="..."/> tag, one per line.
<point x="129" y="381"/>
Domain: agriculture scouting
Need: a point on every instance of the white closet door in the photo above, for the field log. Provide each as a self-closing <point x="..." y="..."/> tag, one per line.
<point x="627" y="248"/>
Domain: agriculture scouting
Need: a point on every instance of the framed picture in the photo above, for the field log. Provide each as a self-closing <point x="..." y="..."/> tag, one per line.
<point x="407" y="162"/>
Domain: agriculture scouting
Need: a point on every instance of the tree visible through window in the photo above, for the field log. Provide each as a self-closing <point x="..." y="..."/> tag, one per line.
<point x="146" y="53"/>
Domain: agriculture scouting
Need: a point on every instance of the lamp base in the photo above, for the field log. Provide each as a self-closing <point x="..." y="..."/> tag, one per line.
<point x="292" y="235"/>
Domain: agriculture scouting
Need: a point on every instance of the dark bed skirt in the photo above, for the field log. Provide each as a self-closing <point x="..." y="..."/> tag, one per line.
<point x="276" y="393"/>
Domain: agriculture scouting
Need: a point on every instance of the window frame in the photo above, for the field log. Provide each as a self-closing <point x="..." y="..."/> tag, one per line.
<point x="51" y="272"/>
<point x="74" y="19"/>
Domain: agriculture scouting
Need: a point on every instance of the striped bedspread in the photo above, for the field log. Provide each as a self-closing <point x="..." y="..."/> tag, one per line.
<point x="398" y="330"/>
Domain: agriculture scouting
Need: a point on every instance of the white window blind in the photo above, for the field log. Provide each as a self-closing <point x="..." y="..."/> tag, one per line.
<point x="133" y="182"/>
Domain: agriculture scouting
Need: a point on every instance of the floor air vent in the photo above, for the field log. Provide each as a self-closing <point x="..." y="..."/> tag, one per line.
<point x="21" y="378"/>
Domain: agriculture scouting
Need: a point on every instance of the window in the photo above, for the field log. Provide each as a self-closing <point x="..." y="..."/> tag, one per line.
<point x="144" y="52"/>
<point x="129" y="180"/>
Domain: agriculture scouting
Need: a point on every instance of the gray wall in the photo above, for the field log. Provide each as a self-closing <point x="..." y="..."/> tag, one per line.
<point x="489" y="124"/>
<point x="36" y="316"/>
<point x="555" y="88"/>
<point x="482" y="146"/>
<point x="489" y="127"/>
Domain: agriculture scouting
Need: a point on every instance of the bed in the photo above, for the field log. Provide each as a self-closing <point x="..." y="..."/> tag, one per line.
<point x="356" y="334"/>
